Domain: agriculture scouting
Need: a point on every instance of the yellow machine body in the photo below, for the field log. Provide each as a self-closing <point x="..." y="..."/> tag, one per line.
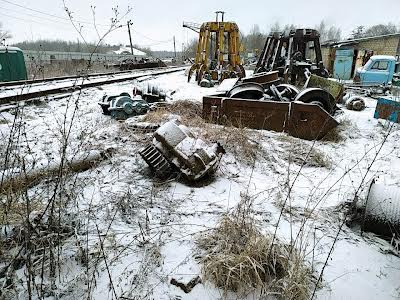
<point x="217" y="52"/>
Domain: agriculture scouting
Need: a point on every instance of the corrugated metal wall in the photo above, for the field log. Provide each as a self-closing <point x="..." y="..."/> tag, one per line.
<point x="48" y="56"/>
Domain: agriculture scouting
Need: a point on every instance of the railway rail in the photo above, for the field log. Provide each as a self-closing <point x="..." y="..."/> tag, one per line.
<point x="13" y="92"/>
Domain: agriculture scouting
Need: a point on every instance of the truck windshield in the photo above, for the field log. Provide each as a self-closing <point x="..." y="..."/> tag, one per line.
<point x="380" y="65"/>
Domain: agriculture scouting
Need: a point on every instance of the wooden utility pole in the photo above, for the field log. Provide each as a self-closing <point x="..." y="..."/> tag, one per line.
<point x="174" y="48"/>
<point x="130" y="38"/>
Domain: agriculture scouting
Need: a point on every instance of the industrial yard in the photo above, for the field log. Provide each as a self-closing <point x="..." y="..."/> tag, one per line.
<point x="221" y="173"/>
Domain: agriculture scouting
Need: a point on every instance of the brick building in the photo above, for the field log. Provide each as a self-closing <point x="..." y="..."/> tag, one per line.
<point x="359" y="50"/>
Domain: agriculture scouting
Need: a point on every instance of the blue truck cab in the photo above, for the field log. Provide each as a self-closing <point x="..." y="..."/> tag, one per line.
<point x="379" y="70"/>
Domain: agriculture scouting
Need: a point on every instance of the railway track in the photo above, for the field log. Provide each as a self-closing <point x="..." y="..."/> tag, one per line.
<point x="13" y="92"/>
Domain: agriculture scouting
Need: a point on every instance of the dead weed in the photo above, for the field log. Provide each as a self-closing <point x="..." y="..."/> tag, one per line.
<point x="337" y="134"/>
<point x="301" y="152"/>
<point x="237" y="257"/>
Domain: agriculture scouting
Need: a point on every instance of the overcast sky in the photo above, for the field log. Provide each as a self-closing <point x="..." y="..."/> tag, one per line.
<point x="156" y="22"/>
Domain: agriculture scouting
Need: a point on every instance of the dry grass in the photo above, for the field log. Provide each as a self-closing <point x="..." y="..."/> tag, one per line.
<point x="64" y="68"/>
<point x="16" y="212"/>
<point x="300" y="153"/>
<point x="337" y="135"/>
<point x="189" y="111"/>
<point x="241" y="142"/>
<point x="237" y="257"/>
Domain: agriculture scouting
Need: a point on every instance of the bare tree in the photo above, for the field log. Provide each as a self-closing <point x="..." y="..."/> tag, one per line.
<point x="381" y="29"/>
<point x="276" y="27"/>
<point x="329" y="33"/>
<point x="334" y="34"/>
<point x="255" y="39"/>
<point x="191" y="48"/>
<point x="357" y="32"/>
<point x="375" y="30"/>
<point x="4" y="34"/>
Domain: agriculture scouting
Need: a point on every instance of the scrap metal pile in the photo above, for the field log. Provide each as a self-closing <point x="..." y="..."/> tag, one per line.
<point x="307" y="113"/>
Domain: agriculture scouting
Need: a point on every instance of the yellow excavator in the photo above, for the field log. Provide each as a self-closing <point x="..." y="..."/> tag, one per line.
<point x="217" y="56"/>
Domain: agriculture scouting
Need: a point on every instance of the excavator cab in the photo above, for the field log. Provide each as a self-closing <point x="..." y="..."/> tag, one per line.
<point x="217" y="56"/>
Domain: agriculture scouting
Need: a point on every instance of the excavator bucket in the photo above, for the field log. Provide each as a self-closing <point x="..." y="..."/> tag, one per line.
<point x="302" y="120"/>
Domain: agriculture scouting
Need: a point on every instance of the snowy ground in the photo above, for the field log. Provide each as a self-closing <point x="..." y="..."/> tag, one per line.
<point x="148" y="228"/>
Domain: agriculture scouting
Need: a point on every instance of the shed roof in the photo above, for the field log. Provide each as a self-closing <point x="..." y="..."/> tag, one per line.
<point x="127" y="50"/>
<point x="358" y="40"/>
<point x="7" y="48"/>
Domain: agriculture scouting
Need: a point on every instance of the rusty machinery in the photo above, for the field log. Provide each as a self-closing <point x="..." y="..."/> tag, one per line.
<point x="306" y="114"/>
<point x="217" y="55"/>
<point x="292" y="55"/>
<point x="175" y="147"/>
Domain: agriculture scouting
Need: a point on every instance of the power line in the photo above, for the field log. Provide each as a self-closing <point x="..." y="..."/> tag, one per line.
<point x="30" y="21"/>
<point x="43" y="18"/>
<point x="159" y="43"/>
<point x="51" y="15"/>
<point x="156" y="42"/>
<point x="145" y="36"/>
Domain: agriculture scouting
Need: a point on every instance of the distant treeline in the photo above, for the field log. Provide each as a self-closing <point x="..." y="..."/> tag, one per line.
<point x="71" y="46"/>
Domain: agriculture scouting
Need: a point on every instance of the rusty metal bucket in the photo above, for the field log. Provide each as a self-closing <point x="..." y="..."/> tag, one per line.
<point x="302" y="120"/>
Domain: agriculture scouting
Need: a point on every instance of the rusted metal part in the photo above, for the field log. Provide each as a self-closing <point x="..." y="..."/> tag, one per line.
<point x="317" y="96"/>
<point x="288" y="91"/>
<point x="309" y="121"/>
<point x="306" y="121"/>
<point x="265" y="78"/>
<point x="247" y="91"/>
<point x="153" y="93"/>
<point x="356" y="103"/>
<point x="335" y="88"/>
<point x="387" y="109"/>
<point x="136" y="65"/>
<point x="270" y="58"/>
<point x="283" y="92"/>
<point x="218" y="53"/>
<point x="255" y="114"/>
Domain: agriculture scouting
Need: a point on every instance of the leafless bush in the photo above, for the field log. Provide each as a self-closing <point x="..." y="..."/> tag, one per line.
<point x="236" y="256"/>
<point x="337" y="134"/>
<point x="33" y="243"/>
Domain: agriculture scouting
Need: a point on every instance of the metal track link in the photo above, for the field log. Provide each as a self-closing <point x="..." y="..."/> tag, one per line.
<point x="157" y="162"/>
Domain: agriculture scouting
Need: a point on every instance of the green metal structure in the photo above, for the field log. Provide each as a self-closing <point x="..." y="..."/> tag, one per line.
<point x="12" y="64"/>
